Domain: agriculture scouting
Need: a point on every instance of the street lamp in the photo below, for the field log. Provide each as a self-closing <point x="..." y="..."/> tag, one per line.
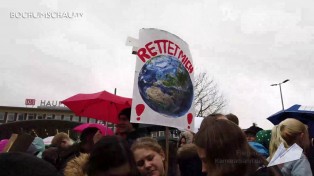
<point x="279" y="84"/>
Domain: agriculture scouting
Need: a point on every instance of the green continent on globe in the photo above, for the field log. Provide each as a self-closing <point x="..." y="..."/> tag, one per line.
<point x="179" y="79"/>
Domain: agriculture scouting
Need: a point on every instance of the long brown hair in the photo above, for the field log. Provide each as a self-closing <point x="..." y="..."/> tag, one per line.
<point x="226" y="147"/>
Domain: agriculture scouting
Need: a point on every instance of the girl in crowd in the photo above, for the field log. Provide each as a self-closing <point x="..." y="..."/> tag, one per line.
<point x="111" y="155"/>
<point x="289" y="132"/>
<point x="182" y="141"/>
<point x="149" y="157"/>
<point x="186" y="137"/>
<point x="224" y="150"/>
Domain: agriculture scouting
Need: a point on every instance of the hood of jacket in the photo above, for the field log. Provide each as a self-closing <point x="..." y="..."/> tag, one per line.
<point x="75" y="166"/>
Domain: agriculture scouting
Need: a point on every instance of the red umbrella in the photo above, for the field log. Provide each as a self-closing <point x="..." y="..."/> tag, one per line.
<point x="105" y="131"/>
<point x="102" y="105"/>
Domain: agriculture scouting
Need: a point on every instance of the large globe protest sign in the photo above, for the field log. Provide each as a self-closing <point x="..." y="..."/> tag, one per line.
<point x="163" y="82"/>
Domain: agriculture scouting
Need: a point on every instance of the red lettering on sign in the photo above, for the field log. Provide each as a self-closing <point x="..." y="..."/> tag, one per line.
<point x="161" y="47"/>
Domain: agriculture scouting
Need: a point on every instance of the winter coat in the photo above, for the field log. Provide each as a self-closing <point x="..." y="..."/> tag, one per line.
<point x="75" y="167"/>
<point x="300" y="167"/>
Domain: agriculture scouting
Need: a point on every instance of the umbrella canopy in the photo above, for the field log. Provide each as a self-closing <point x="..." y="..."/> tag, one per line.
<point x="105" y="131"/>
<point x="102" y="105"/>
<point x="302" y="113"/>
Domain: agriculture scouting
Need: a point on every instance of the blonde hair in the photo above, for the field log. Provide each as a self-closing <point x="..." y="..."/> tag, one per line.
<point x="288" y="132"/>
<point x="150" y="144"/>
<point x="58" y="138"/>
<point x="147" y="143"/>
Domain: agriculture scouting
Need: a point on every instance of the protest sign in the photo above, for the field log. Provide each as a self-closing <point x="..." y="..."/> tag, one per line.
<point x="163" y="83"/>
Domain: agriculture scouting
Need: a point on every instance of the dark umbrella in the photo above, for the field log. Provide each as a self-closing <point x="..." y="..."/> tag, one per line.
<point x="301" y="113"/>
<point x="102" y="105"/>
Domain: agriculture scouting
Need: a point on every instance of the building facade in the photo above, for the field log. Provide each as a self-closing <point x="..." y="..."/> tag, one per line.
<point x="46" y="121"/>
<point x="42" y="121"/>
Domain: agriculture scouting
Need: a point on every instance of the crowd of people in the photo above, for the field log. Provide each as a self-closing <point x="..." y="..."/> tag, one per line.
<point x="219" y="148"/>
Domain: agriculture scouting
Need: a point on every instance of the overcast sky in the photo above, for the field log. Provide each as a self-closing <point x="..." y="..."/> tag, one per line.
<point x="244" y="45"/>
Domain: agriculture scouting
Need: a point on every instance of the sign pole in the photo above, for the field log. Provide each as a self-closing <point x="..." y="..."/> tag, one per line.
<point x="167" y="150"/>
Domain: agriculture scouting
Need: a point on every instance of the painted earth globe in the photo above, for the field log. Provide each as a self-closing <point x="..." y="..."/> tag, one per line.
<point x="165" y="86"/>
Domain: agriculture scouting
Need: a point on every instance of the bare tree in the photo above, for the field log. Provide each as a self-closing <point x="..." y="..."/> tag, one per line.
<point x="207" y="98"/>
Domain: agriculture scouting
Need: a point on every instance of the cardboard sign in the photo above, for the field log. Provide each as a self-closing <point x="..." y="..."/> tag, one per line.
<point x="163" y="91"/>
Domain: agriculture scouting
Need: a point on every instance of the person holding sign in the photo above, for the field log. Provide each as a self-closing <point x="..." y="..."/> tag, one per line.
<point x="126" y="129"/>
<point x="149" y="157"/>
<point x="289" y="132"/>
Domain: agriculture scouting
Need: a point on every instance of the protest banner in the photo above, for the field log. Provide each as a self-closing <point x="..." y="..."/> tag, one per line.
<point x="163" y="83"/>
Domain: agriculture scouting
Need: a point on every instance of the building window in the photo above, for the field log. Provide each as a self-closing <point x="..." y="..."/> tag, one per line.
<point x="75" y="118"/>
<point x="49" y="116"/>
<point x="161" y="133"/>
<point x="57" y="117"/>
<point x="40" y="116"/>
<point x="84" y="119"/>
<point x="10" y="117"/>
<point x="1" y="115"/>
<point x="30" y="116"/>
<point x="154" y="134"/>
<point x="21" y="116"/>
<point x="91" y="120"/>
<point x="100" y="122"/>
<point x="67" y="117"/>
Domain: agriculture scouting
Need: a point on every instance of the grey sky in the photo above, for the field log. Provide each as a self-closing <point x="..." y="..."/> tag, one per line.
<point x="244" y="45"/>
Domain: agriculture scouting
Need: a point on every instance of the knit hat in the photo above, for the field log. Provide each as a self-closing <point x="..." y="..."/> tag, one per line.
<point x="253" y="130"/>
<point x="263" y="137"/>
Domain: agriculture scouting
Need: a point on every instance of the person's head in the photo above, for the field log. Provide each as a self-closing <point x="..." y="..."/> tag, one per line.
<point x="87" y="139"/>
<point x="233" y="118"/>
<point x="149" y="156"/>
<point x="102" y="132"/>
<point x="111" y="155"/>
<point x="23" y="164"/>
<point x="124" y="125"/>
<point x="288" y="132"/>
<point x="219" y="141"/>
<point x="61" y="140"/>
<point x="217" y="116"/>
<point x="250" y="137"/>
<point x="188" y="160"/>
<point x="51" y="155"/>
<point x="251" y="132"/>
<point x="182" y="141"/>
<point x="189" y="136"/>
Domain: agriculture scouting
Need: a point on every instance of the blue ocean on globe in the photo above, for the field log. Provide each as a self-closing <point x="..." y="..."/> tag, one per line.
<point x="165" y="86"/>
